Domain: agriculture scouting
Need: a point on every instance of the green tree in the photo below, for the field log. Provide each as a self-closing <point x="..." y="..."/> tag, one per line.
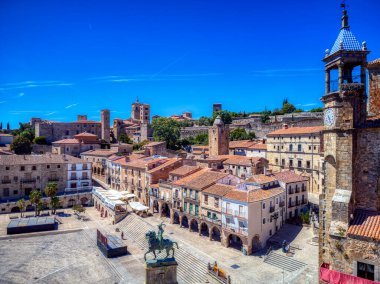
<point x="35" y="199"/>
<point x="224" y="115"/>
<point x="21" y="204"/>
<point x="265" y="116"/>
<point x="241" y="134"/>
<point x="185" y="123"/>
<point x="40" y="140"/>
<point x="138" y="146"/>
<point x="201" y="139"/>
<point x="167" y="129"/>
<point x="251" y="135"/>
<point x="21" y="145"/>
<point x="298" y="110"/>
<point x="78" y="209"/>
<point x="287" y="108"/>
<point x="51" y="190"/>
<point x="204" y="121"/>
<point x="54" y="202"/>
<point x="276" y="111"/>
<point x="317" y="109"/>
<point x="8" y="126"/>
<point x="125" y="139"/>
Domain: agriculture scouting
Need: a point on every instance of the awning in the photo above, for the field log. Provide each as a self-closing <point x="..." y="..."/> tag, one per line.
<point x="138" y="206"/>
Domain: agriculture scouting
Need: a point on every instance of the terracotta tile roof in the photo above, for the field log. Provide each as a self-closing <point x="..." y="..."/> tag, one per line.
<point x="297" y="130"/>
<point x="258" y="146"/>
<point x="241" y="144"/>
<point x="238" y="195"/>
<point x="199" y="147"/>
<point x="168" y="163"/>
<point x="241" y="160"/>
<point x="185" y="170"/>
<point x="187" y="179"/>
<point x="38" y="159"/>
<point x="154" y="185"/>
<point x="152" y="144"/>
<point x="67" y="141"/>
<point x="262" y="194"/>
<point x="206" y="179"/>
<point x="144" y="162"/>
<point x="261" y="179"/>
<point x="289" y="177"/>
<point x="375" y="62"/>
<point x="99" y="153"/>
<point x="219" y="189"/>
<point x="366" y="224"/>
<point x="85" y="134"/>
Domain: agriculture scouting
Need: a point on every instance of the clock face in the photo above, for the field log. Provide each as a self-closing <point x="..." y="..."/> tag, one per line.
<point x="329" y="117"/>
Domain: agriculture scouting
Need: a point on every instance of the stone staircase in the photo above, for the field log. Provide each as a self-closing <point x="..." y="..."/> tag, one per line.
<point x="284" y="262"/>
<point x="190" y="268"/>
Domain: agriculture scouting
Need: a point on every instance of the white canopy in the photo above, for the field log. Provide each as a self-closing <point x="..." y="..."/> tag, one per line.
<point x="138" y="206"/>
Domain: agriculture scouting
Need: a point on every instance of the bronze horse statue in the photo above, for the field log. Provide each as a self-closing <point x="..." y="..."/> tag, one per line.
<point x="160" y="244"/>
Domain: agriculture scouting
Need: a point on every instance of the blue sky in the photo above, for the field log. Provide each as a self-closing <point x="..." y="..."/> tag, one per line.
<point x="63" y="58"/>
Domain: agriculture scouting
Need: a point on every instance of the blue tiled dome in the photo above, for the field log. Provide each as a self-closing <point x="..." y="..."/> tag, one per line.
<point x="348" y="39"/>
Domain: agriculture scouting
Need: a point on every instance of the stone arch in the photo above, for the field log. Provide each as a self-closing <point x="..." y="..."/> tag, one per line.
<point x="84" y="201"/>
<point x="102" y="172"/>
<point x="176" y="218"/>
<point x="204" y="230"/>
<point x="256" y="243"/>
<point x="194" y="225"/>
<point x="71" y="203"/>
<point x="15" y="209"/>
<point x="165" y="210"/>
<point x="29" y="208"/>
<point x="234" y="241"/>
<point x="216" y="234"/>
<point x="185" y="222"/>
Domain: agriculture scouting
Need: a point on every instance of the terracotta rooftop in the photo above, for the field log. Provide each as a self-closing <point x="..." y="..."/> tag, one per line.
<point x="289" y="177"/>
<point x="152" y="144"/>
<point x="261" y="179"/>
<point x="238" y="195"/>
<point x="241" y="144"/>
<point x="218" y="189"/>
<point x="297" y="130"/>
<point x="144" y="162"/>
<point x="99" y="153"/>
<point x="168" y="163"/>
<point x="85" y="134"/>
<point x="366" y="224"/>
<point x="127" y="159"/>
<point x="185" y="170"/>
<point x="258" y="146"/>
<point x="206" y="179"/>
<point x="375" y="62"/>
<point x="191" y="177"/>
<point x="253" y="195"/>
<point x="38" y="159"/>
<point x="236" y="160"/>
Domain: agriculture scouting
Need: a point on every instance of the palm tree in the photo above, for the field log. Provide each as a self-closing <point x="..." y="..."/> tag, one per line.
<point x="35" y="198"/>
<point x="51" y="191"/>
<point x="21" y="205"/>
<point x="54" y="202"/>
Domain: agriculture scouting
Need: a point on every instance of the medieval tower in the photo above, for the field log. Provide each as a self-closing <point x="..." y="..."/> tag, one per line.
<point x="105" y="120"/>
<point x="350" y="199"/>
<point x="374" y="87"/>
<point x="218" y="138"/>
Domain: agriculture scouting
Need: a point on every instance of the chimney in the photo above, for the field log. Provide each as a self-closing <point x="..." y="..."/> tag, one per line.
<point x="264" y="141"/>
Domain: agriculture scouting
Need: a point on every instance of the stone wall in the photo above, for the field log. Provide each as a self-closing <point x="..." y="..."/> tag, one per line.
<point x="374" y="90"/>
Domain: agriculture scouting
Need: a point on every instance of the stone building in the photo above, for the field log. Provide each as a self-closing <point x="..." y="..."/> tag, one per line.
<point x="54" y="131"/>
<point x="299" y="149"/>
<point x="257" y="148"/>
<point x="244" y="167"/>
<point x="20" y="174"/>
<point x="218" y="138"/>
<point x="216" y="107"/>
<point x="105" y="120"/>
<point x="350" y="200"/>
<point x="374" y="87"/>
<point x="98" y="158"/>
<point x="81" y="142"/>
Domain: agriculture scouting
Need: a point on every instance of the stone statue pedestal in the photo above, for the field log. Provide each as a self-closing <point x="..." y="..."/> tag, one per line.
<point x="161" y="271"/>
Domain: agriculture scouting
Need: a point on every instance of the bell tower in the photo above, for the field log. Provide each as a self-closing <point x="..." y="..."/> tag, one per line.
<point x="218" y="138"/>
<point x="345" y="111"/>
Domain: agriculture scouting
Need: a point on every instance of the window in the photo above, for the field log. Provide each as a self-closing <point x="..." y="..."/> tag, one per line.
<point x="34" y="168"/>
<point x="283" y="162"/>
<point x="300" y="164"/>
<point x="270" y="232"/>
<point x="290" y="163"/>
<point x="48" y="166"/>
<point x="196" y="210"/>
<point x="6" y="192"/>
<point x="308" y="164"/>
<point x="216" y="202"/>
<point x="185" y="206"/>
<point x="291" y="147"/>
<point x="7" y="168"/>
<point x="241" y="210"/>
<point x="263" y="205"/>
<point x="276" y="161"/>
<point x="15" y="192"/>
<point x="67" y="132"/>
<point x="366" y="271"/>
<point x="208" y="214"/>
<point x="228" y="221"/>
<point x="206" y="199"/>
<point x="299" y="147"/>
<point x="264" y="221"/>
<point x="22" y="168"/>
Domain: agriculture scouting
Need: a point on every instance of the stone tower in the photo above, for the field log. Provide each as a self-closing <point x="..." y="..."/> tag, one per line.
<point x="216" y="107"/>
<point x="105" y="119"/>
<point x="218" y="138"/>
<point x="374" y="87"/>
<point x="140" y="112"/>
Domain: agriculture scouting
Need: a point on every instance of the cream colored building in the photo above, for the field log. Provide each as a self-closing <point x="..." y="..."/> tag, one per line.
<point x="299" y="149"/>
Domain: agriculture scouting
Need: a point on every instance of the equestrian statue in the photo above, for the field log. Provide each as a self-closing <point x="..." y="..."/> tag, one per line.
<point x="158" y="243"/>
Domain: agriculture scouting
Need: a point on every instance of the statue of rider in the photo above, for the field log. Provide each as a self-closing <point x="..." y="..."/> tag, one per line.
<point x="161" y="234"/>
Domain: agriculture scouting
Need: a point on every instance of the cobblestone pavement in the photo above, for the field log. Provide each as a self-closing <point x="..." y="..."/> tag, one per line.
<point x="74" y="257"/>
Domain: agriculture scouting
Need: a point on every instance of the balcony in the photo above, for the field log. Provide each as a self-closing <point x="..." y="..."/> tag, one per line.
<point x="235" y="213"/>
<point x="282" y="203"/>
<point x="303" y="189"/>
<point x="6" y="181"/>
<point x="73" y="178"/>
<point x="271" y="209"/>
<point x="28" y="180"/>
<point x="212" y="220"/>
<point x="291" y="204"/>
<point x="241" y="231"/>
<point x="50" y="179"/>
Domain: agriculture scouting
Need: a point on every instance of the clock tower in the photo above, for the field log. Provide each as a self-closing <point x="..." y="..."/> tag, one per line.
<point x="345" y="111"/>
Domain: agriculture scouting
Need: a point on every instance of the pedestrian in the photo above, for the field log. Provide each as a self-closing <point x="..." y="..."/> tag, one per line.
<point x="122" y="235"/>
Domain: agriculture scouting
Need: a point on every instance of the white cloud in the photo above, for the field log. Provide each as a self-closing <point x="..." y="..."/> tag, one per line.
<point x="70" y="106"/>
<point x="21" y="94"/>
